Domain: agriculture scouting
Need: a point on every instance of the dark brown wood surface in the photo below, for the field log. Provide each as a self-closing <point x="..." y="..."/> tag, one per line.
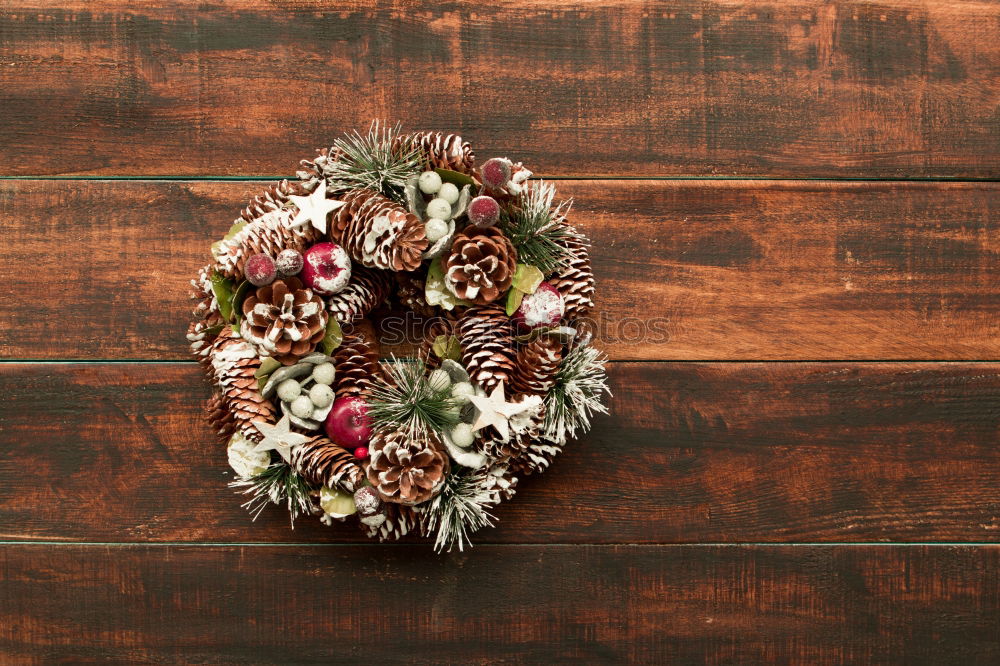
<point x="802" y="460"/>
<point x="898" y="88"/>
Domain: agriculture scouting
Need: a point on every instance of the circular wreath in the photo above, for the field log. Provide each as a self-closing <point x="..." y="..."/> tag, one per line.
<point x="504" y="377"/>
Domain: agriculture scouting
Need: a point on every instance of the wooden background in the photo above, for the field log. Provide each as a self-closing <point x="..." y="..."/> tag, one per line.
<point x="802" y="464"/>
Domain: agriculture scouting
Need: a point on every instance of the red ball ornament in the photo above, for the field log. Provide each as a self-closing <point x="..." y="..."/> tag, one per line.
<point x="496" y="172"/>
<point x="326" y="268"/>
<point x="348" y="423"/>
<point x="361" y="453"/>
<point x="260" y="270"/>
<point x="484" y="211"/>
<point x="545" y="307"/>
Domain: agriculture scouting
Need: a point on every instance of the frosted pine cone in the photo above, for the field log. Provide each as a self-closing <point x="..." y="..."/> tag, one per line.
<point x="487" y="346"/>
<point x="234" y="363"/>
<point x="537" y="363"/>
<point x="220" y="418"/>
<point x="378" y="233"/>
<point x="535" y="459"/>
<point x="366" y="290"/>
<point x="481" y="265"/>
<point x="575" y="281"/>
<point x="268" y="234"/>
<point x="525" y="428"/>
<point x="406" y="470"/>
<point x="323" y="463"/>
<point x="444" y="151"/>
<point x="200" y="339"/>
<point x="357" y="366"/>
<point x="202" y="292"/>
<point x="284" y="320"/>
<point x="272" y="199"/>
<point x="400" y="520"/>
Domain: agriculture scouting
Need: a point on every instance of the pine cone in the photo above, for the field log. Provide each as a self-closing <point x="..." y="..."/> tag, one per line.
<point x="487" y="346"/>
<point x="322" y="463"/>
<point x="234" y="363"/>
<point x="400" y="520"/>
<point x="525" y="429"/>
<point x="201" y="339"/>
<point x="444" y="151"/>
<point x="220" y="418"/>
<point x="404" y="470"/>
<point x="284" y="320"/>
<point x="313" y="171"/>
<point x="537" y="363"/>
<point x="271" y="199"/>
<point x="268" y="234"/>
<point x="378" y="233"/>
<point x="202" y="292"/>
<point x="481" y="265"/>
<point x="366" y="290"/>
<point x="410" y="293"/>
<point x="535" y="459"/>
<point x="575" y="281"/>
<point x="357" y="366"/>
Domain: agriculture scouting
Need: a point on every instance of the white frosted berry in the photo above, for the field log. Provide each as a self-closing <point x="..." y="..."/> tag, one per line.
<point x="439" y="380"/>
<point x="439" y="208"/>
<point x="321" y="395"/>
<point x="461" y="435"/>
<point x="461" y="391"/>
<point x="429" y="182"/>
<point x="324" y="373"/>
<point x="289" y="390"/>
<point x="302" y="407"/>
<point x="435" y="229"/>
<point x="449" y="192"/>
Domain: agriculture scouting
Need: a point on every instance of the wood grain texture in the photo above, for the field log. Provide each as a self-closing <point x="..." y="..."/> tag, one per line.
<point x="692" y="453"/>
<point x="744" y="270"/>
<point x="898" y="88"/>
<point x="500" y="604"/>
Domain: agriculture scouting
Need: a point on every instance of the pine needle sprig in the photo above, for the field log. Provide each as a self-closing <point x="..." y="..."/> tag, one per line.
<point x="580" y="383"/>
<point x="461" y="508"/>
<point x="278" y="483"/>
<point x="536" y="229"/>
<point x="380" y="160"/>
<point x="405" y="400"/>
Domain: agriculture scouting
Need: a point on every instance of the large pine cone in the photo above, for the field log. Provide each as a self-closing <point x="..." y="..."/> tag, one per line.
<point x="537" y="363"/>
<point x="406" y="470"/>
<point x="356" y="366"/>
<point x="444" y="151"/>
<point x="322" y="463"/>
<point x="234" y="363"/>
<point x="284" y="320"/>
<point x="366" y="290"/>
<point x="487" y="346"/>
<point x="379" y="233"/>
<point x="271" y="199"/>
<point x="575" y="281"/>
<point x="481" y="265"/>
<point x="268" y="234"/>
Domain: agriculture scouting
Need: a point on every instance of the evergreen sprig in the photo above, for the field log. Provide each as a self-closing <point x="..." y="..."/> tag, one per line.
<point x="278" y="483"/>
<point x="536" y="229"/>
<point x="576" y="395"/>
<point x="405" y="400"/>
<point x="380" y="160"/>
<point x="461" y="508"/>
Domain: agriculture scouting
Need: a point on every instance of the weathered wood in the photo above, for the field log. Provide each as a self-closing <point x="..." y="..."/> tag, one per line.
<point x="901" y="88"/>
<point x="687" y="270"/>
<point x="765" y="452"/>
<point x="500" y="604"/>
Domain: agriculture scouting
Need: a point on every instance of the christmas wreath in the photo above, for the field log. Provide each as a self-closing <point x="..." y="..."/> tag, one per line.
<point x="504" y="376"/>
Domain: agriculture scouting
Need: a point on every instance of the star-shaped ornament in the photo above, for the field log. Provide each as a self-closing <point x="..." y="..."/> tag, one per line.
<point x="314" y="208"/>
<point x="494" y="410"/>
<point x="279" y="438"/>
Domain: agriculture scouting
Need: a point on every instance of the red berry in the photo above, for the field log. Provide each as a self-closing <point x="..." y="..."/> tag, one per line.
<point x="288" y="263"/>
<point x="361" y="453"/>
<point x="260" y="270"/>
<point x="545" y="307"/>
<point x="326" y="268"/>
<point x="484" y="211"/>
<point x="495" y="172"/>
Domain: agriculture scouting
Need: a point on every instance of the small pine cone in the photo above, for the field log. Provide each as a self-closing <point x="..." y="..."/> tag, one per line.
<point x="201" y="339"/>
<point x="268" y="234"/>
<point x="481" y="265"/>
<point x="272" y="199"/>
<point x="444" y="151"/>
<point x="410" y="293"/>
<point x="322" y="463"/>
<point x="202" y="292"/>
<point x="314" y="171"/>
<point x="500" y="479"/>
<point x="220" y="418"/>
<point x="526" y="428"/>
<point x="234" y="363"/>
<point x="537" y="363"/>
<point x="356" y="367"/>
<point x="284" y="320"/>
<point x="378" y="233"/>
<point x="575" y="281"/>
<point x="367" y="289"/>
<point x="400" y="520"/>
<point x="406" y="470"/>
<point x="487" y="346"/>
<point x="535" y="459"/>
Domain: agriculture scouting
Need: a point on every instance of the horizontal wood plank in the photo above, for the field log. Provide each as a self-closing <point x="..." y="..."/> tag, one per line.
<point x="898" y="88"/>
<point x="513" y="604"/>
<point x="692" y="452"/>
<point x="743" y="270"/>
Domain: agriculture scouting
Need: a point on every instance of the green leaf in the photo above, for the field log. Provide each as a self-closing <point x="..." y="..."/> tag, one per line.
<point x="237" y="302"/>
<point x="214" y="330"/>
<point x="334" y="336"/>
<point x="263" y="373"/>
<point x="447" y="347"/>
<point x="527" y="278"/>
<point x="235" y="229"/>
<point x="223" y="290"/>
<point x="456" y="178"/>
<point x="514" y="298"/>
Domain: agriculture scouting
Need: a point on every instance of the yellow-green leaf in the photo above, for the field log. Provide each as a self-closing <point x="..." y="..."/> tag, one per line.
<point x="447" y="346"/>
<point x="514" y="298"/>
<point x="527" y="278"/>
<point x="238" y="296"/>
<point x="267" y="366"/>
<point x="223" y="290"/>
<point x="334" y="336"/>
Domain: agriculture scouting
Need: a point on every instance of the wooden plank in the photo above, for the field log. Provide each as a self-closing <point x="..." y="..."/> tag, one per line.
<point x="513" y="604"/>
<point x="901" y="88"/>
<point x="741" y="270"/>
<point x="692" y="453"/>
